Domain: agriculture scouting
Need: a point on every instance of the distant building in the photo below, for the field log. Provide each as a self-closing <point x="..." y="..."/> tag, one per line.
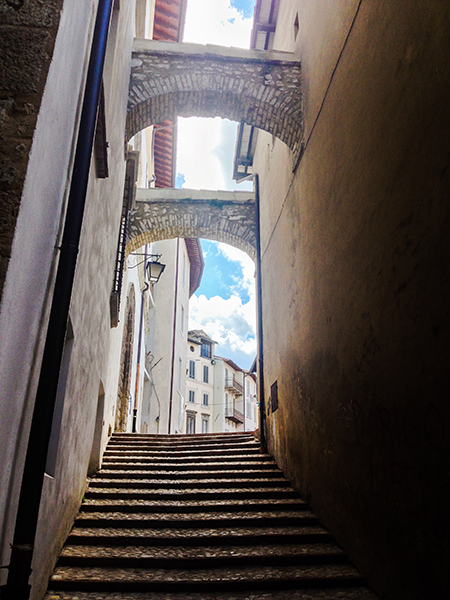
<point x="199" y="409"/>
<point x="220" y="396"/>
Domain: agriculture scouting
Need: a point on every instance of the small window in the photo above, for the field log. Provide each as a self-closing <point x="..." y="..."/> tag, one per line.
<point x="205" y="350"/>
<point x="190" y="423"/>
<point x="296" y="26"/>
<point x="191" y="348"/>
<point x="191" y="396"/>
<point x="205" y="374"/>
<point x="192" y="369"/>
<point x="205" y="424"/>
<point x="205" y="399"/>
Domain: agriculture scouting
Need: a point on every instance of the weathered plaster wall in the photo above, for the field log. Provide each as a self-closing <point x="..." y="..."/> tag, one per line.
<point x="24" y="301"/>
<point x="358" y="340"/>
<point x="164" y="333"/>
<point x="27" y="289"/>
<point x="27" y="37"/>
<point x="90" y="317"/>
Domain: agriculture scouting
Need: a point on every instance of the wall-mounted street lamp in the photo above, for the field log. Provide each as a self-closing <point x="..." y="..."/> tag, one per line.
<point x="154" y="268"/>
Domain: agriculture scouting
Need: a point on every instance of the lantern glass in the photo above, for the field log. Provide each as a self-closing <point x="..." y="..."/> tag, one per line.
<point x="154" y="270"/>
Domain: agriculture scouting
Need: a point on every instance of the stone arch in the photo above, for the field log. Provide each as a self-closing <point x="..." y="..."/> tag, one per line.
<point x="162" y="214"/>
<point x="126" y="359"/>
<point x="260" y="88"/>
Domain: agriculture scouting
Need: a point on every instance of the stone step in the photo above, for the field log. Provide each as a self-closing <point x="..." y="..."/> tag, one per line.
<point x="188" y="453"/>
<point x="187" y="466"/>
<point x="188" y="437"/>
<point x="356" y="593"/>
<point x="191" y="494"/>
<point x="190" y="506"/>
<point x="219" y="536"/>
<point x="207" y="517"/>
<point x="207" y="520"/>
<point x="167" y="484"/>
<point x="130" y="445"/>
<point x="168" y="475"/>
<point x="220" y="579"/>
<point x="175" y="557"/>
<point x="164" y="459"/>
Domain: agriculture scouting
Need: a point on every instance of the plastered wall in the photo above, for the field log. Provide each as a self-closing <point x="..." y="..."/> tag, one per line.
<point x="357" y="240"/>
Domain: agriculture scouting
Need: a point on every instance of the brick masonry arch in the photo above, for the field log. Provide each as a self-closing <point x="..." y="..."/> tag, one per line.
<point x="168" y="213"/>
<point x="126" y="359"/>
<point x="260" y="88"/>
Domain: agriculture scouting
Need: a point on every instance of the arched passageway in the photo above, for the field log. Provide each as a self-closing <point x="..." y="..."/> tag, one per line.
<point x="260" y="88"/>
<point x="169" y="213"/>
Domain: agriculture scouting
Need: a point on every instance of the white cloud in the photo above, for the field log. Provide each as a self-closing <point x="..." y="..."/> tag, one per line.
<point x="205" y="148"/>
<point x="229" y="321"/>
<point x="216" y="22"/>
<point x="205" y="158"/>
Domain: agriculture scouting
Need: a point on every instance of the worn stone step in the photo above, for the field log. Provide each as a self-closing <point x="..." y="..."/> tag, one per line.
<point x="219" y="536"/>
<point x="191" y="506"/>
<point x="177" y="468"/>
<point x="356" y="593"/>
<point x="117" y="579"/>
<point x="177" y="460"/>
<point x="192" y="494"/>
<point x="208" y="520"/>
<point x="182" y="446"/>
<point x="176" y="557"/>
<point x="191" y="454"/>
<point x="197" y="437"/>
<point x="200" y="484"/>
<point x="168" y="475"/>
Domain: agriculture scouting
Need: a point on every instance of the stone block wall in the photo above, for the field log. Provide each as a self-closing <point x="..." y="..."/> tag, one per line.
<point x="27" y="35"/>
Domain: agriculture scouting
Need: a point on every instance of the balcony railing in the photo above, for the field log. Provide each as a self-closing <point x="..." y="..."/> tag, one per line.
<point x="234" y="415"/>
<point x="234" y="386"/>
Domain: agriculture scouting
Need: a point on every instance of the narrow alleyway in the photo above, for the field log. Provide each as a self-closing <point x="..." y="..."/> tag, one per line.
<point x="198" y="517"/>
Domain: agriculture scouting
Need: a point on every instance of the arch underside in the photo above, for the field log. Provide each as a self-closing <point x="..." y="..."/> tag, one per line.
<point x="167" y="233"/>
<point x="282" y="122"/>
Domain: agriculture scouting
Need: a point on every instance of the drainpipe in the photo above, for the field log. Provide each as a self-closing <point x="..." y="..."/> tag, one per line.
<point x="141" y="321"/>
<point x="17" y="587"/>
<point x="262" y="412"/>
<point x="173" y="337"/>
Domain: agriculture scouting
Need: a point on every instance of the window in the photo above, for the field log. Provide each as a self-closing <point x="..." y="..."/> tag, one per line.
<point x="205" y="399"/>
<point x="190" y="423"/>
<point x="205" y="350"/>
<point x="254" y="412"/>
<point x="205" y="374"/>
<point x="205" y="424"/>
<point x="226" y="404"/>
<point x="192" y="369"/>
<point x="191" y="396"/>
<point x="248" y="408"/>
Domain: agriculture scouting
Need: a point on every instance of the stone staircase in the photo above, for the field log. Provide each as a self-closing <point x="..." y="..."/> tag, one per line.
<point x="198" y="517"/>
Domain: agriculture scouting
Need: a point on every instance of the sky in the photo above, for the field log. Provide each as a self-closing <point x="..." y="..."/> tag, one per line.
<point x="224" y="304"/>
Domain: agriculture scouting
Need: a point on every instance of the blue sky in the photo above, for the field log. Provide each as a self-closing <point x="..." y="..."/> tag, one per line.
<point x="224" y="305"/>
<point x="222" y="275"/>
<point x="245" y="7"/>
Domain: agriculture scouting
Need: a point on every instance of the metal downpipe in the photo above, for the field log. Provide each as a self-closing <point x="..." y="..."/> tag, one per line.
<point x="17" y="587"/>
